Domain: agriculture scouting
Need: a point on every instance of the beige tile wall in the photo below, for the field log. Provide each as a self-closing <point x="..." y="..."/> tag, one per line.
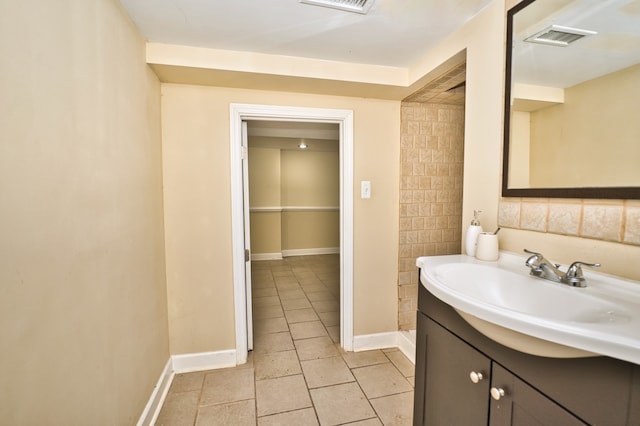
<point x="609" y="220"/>
<point x="430" y="193"/>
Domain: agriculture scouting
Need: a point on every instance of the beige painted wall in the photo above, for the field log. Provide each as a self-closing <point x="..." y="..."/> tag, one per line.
<point x="83" y="313"/>
<point x="264" y="191"/>
<point x="310" y="230"/>
<point x="310" y="178"/>
<point x="198" y="211"/>
<point x="300" y="179"/>
<point x="592" y="138"/>
<point x="264" y="177"/>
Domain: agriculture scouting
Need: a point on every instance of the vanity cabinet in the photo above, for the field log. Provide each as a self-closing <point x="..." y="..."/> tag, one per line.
<point x="536" y="390"/>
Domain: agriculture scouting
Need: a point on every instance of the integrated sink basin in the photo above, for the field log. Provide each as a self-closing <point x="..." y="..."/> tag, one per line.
<point x="502" y="301"/>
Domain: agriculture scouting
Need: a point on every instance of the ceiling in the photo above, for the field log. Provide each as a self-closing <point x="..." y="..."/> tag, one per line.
<point x="615" y="46"/>
<point x="394" y="33"/>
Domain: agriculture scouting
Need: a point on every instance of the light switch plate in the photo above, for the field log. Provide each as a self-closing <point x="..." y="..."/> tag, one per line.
<point x="365" y="189"/>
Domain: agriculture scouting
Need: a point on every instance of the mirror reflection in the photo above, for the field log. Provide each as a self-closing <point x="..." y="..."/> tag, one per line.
<point x="574" y="96"/>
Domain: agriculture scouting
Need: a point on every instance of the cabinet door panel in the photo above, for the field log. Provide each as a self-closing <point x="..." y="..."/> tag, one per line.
<point x="451" y="397"/>
<point x="523" y="405"/>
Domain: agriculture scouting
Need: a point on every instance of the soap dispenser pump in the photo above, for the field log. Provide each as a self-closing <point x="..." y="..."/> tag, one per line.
<point x="473" y="231"/>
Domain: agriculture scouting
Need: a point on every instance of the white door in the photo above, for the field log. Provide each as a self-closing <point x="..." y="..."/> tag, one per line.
<point x="247" y="235"/>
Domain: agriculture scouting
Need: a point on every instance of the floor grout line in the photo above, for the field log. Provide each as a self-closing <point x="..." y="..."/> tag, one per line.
<point x="284" y="279"/>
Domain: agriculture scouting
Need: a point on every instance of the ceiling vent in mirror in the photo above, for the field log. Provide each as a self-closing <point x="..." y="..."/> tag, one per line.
<point x="358" y="6"/>
<point x="558" y="35"/>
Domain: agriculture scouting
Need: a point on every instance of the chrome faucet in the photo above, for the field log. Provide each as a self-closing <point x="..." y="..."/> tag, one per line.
<point x="541" y="267"/>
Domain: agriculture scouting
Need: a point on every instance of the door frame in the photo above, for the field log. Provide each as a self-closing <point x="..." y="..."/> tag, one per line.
<point x="243" y="112"/>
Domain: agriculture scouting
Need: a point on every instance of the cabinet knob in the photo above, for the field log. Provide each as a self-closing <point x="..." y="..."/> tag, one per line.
<point x="475" y="376"/>
<point x="497" y="393"/>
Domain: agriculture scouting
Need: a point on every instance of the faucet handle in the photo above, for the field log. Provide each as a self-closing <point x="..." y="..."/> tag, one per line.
<point x="533" y="258"/>
<point x="574" y="273"/>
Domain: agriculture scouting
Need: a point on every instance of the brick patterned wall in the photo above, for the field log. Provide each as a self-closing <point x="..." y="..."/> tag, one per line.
<point x="431" y="170"/>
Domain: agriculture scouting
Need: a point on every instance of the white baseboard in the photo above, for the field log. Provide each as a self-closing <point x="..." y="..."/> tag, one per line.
<point x="407" y="344"/>
<point x="311" y="251"/>
<point x="393" y="339"/>
<point x="184" y="363"/>
<point x="266" y="256"/>
<point x="187" y="363"/>
<point x="152" y="409"/>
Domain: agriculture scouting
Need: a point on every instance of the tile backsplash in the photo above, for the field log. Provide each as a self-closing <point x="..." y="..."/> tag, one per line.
<point x="608" y="220"/>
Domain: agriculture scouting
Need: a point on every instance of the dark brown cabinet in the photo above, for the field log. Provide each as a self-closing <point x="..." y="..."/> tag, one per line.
<point x="464" y="378"/>
<point x="450" y="395"/>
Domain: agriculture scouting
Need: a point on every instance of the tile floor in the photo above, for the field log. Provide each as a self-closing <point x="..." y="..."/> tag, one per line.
<point x="297" y="373"/>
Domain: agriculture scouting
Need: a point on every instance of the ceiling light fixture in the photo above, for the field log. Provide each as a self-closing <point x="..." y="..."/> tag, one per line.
<point x="302" y="145"/>
<point x="357" y="6"/>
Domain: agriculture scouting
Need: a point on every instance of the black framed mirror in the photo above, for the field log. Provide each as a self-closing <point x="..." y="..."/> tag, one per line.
<point x="572" y="100"/>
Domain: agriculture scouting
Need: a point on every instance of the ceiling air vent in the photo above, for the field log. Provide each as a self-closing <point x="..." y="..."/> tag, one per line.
<point x="558" y="35"/>
<point x="358" y="6"/>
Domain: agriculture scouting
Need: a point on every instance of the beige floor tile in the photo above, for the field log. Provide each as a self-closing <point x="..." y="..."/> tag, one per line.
<point x="330" y="318"/>
<point x="341" y="404"/>
<point x="364" y="358"/>
<point x="381" y="380"/>
<point x="315" y="348"/>
<point x="402" y="363"/>
<point x="326" y="372"/>
<point x="291" y="304"/>
<point x="264" y="292"/>
<point x="369" y="422"/>
<point x="306" y="330"/>
<point x="272" y="342"/>
<point x="326" y="306"/>
<point x="320" y="296"/>
<point x="305" y="417"/>
<point x="276" y="364"/>
<point x="412" y="380"/>
<point x="334" y="333"/>
<point x="179" y="409"/>
<point x="187" y="382"/>
<point x="228" y="385"/>
<point x="266" y="301"/>
<point x="281" y="394"/>
<point x="288" y="286"/>
<point x="291" y="294"/>
<point x="242" y="413"/>
<point x="257" y="285"/>
<point x="314" y="288"/>
<point x="301" y="315"/>
<point x="261" y="312"/>
<point x="395" y="410"/>
<point x="270" y="325"/>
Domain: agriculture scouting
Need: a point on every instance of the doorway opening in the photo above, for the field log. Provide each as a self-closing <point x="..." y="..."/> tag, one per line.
<point x="294" y="216"/>
<point x="342" y="121"/>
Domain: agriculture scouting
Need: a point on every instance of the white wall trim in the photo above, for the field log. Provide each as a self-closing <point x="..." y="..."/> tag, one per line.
<point x="266" y="256"/>
<point x="184" y="363"/>
<point x="407" y="344"/>
<point x="366" y="342"/>
<point x="154" y="405"/>
<point x="241" y="112"/>
<point x="276" y="209"/>
<point x="393" y="339"/>
<point x="310" y="251"/>
<point x="200" y="361"/>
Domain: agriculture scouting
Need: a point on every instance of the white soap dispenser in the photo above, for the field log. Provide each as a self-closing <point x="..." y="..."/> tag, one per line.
<point x="473" y="231"/>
